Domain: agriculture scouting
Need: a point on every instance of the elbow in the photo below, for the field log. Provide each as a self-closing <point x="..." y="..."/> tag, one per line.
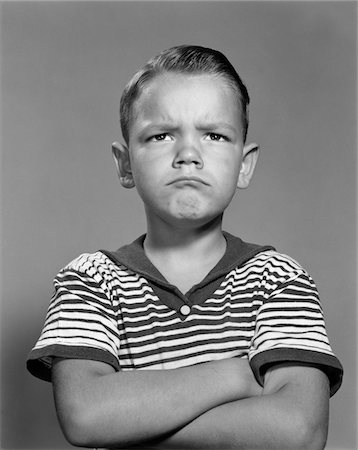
<point x="79" y="424"/>
<point x="77" y="429"/>
<point x="314" y="439"/>
<point x="88" y="427"/>
<point x="309" y="434"/>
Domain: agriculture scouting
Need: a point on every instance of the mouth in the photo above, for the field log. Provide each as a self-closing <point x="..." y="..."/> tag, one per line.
<point x="189" y="179"/>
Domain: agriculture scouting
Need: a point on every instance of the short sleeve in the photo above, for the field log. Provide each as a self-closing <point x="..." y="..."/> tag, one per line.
<point x="290" y="327"/>
<point x="81" y="321"/>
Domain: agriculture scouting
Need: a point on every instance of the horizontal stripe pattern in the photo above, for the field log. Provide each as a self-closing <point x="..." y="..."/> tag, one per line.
<point x="268" y="303"/>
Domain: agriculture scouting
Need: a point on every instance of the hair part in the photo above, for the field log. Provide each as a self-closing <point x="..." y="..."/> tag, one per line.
<point x="186" y="59"/>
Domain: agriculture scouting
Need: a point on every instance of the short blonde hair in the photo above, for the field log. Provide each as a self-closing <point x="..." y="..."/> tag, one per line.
<point x="188" y="59"/>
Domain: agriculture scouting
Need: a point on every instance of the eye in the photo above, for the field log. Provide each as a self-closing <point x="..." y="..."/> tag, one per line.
<point x="217" y="137"/>
<point x="160" y="137"/>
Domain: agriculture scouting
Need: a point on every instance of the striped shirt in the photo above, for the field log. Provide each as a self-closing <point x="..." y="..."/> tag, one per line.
<point x="117" y="308"/>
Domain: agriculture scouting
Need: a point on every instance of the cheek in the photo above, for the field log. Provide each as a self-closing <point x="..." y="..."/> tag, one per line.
<point x="140" y="169"/>
<point x="147" y="181"/>
<point x="227" y="174"/>
<point x="150" y="169"/>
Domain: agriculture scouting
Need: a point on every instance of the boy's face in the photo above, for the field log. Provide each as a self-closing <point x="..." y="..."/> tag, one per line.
<point x="186" y="152"/>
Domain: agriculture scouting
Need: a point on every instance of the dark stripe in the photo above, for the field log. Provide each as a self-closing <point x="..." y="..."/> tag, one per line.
<point x="287" y="335"/>
<point x="180" y="358"/>
<point x="63" y="326"/>
<point x="197" y="350"/>
<point x="81" y="336"/>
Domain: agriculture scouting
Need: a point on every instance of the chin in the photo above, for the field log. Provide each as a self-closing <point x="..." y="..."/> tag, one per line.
<point x="194" y="219"/>
<point x="189" y="207"/>
<point x="190" y="213"/>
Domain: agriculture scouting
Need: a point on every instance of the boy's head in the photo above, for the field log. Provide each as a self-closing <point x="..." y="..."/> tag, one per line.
<point x="184" y="120"/>
<point x="184" y="59"/>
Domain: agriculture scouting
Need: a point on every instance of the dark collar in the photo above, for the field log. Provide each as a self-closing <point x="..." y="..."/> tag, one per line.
<point x="134" y="258"/>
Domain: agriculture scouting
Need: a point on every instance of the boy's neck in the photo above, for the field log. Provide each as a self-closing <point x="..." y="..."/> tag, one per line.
<point x="196" y="241"/>
<point x="185" y="256"/>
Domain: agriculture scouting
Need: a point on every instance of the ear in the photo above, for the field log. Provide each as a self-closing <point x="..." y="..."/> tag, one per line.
<point x="248" y="163"/>
<point x="121" y="158"/>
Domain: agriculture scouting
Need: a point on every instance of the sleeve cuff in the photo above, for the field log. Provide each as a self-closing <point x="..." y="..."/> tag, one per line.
<point x="329" y="364"/>
<point x="39" y="362"/>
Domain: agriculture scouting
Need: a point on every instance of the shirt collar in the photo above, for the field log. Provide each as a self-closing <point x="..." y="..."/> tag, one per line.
<point x="134" y="258"/>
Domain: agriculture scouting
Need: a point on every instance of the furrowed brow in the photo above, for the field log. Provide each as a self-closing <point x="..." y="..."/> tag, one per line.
<point x="217" y="126"/>
<point x="167" y="125"/>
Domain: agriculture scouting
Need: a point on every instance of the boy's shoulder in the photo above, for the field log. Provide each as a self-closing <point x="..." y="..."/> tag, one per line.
<point x="91" y="265"/>
<point x="276" y="258"/>
<point x="86" y="261"/>
<point x="276" y="267"/>
<point x="246" y="254"/>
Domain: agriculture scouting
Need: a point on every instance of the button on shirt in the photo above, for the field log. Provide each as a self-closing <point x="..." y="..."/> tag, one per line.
<point x="185" y="310"/>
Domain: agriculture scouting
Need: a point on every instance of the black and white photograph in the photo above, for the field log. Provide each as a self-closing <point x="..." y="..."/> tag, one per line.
<point x="178" y="225"/>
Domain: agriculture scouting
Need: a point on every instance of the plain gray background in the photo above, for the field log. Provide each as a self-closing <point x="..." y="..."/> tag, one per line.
<point x="64" y="66"/>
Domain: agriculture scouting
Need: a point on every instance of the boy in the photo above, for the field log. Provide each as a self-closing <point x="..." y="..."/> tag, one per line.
<point x="188" y="337"/>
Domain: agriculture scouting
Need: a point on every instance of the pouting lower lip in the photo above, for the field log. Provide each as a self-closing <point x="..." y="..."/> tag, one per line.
<point x="188" y="179"/>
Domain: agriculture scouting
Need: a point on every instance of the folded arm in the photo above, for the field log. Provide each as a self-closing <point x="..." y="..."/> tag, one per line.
<point x="208" y="406"/>
<point x="98" y="407"/>
<point x="292" y="413"/>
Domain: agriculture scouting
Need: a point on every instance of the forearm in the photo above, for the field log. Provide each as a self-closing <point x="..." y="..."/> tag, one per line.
<point x="277" y="421"/>
<point x="243" y="424"/>
<point x="125" y="408"/>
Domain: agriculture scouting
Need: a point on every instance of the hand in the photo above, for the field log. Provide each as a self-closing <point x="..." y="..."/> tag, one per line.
<point x="239" y="378"/>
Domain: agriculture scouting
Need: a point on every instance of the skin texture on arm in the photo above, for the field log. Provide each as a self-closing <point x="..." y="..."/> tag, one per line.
<point x="98" y="407"/>
<point x="292" y="413"/>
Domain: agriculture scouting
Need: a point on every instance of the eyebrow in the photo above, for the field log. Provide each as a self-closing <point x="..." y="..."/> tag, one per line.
<point x="217" y="125"/>
<point x="171" y="126"/>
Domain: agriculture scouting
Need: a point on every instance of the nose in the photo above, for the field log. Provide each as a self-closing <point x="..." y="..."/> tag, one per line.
<point x="188" y="153"/>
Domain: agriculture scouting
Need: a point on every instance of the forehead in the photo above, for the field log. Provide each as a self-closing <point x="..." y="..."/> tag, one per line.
<point x="206" y="92"/>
